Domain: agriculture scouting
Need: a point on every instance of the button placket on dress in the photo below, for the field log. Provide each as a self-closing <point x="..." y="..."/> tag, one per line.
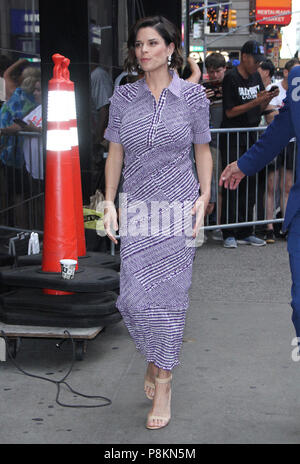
<point x="158" y="107"/>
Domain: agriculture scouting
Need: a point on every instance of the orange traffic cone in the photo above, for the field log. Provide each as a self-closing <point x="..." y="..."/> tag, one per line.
<point x="81" y="245"/>
<point x="60" y="235"/>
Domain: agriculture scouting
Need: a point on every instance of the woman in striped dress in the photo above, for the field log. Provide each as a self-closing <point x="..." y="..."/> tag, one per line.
<point x="152" y="125"/>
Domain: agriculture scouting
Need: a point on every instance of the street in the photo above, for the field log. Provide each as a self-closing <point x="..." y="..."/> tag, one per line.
<point x="237" y="382"/>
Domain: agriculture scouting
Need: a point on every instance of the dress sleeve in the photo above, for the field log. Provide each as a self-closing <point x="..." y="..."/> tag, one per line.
<point x="199" y="113"/>
<point x="112" y="132"/>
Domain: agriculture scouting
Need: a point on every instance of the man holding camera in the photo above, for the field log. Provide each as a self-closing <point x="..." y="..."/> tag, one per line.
<point x="244" y="100"/>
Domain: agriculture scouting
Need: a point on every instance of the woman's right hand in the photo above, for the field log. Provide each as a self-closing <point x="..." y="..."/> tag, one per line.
<point x="110" y="220"/>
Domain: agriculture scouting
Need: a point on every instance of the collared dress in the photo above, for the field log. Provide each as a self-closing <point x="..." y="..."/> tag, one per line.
<point x="158" y="191"/>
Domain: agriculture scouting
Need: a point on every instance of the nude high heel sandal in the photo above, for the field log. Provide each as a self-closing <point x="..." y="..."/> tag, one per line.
<point x="150" y="385"/>
<point x="163" y="418"/>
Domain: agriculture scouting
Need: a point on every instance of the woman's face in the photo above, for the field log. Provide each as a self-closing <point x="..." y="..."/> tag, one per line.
<point x="37" y="92"/>
<point x="151" y="50"/>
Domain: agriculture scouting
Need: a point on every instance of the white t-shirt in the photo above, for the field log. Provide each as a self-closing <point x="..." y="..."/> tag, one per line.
<point x="33" y="146"/>
<point x="278" y="101"/>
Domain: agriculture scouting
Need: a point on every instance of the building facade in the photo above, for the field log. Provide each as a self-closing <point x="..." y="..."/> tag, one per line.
<point x="229" y="41"/>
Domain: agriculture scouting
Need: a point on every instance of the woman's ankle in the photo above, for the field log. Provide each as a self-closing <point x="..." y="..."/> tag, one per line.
<point x="152" y="370"/>
<point x="164" y="374"/>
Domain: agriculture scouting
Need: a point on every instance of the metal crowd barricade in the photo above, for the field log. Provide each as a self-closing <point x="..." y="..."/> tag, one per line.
<point x="256" y="214"/>
<point x="22" y="181"/>
<point x="22" y="186"/>
<point x="230" y="142"/>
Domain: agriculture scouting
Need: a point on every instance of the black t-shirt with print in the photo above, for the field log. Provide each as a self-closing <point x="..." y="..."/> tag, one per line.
<point x="238" y="91"/>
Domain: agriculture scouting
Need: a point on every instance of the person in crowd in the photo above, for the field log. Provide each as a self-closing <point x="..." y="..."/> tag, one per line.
<point x="32" y="146"/>
<point x="283" y="167"/>
<point x="17" y="106"/>
<point x="13" y="76"/>
<point x="284" y="127"/>
<point x="265" y="195"/>
<point x="216" y="67"/>
<point x="5" y="62"/>
<point x="229" y="65"/>
<point x="244" y="100"/>
<point x="33" y="154"/>
<point x="152" y="124"/>
<point x="101" y="91"/>
<point x="266" y="70"/>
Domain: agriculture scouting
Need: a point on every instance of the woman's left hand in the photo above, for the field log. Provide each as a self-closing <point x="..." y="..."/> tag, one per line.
<point x="199" y="209"/>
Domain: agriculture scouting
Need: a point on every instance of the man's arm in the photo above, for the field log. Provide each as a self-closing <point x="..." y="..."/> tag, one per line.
<point x="9" y="77"/>
<point x="263" y="99"/>
<point x="196" y="73"/>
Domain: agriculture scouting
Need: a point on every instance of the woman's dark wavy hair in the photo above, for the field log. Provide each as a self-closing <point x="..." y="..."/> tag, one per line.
<point x="165" y="29"/>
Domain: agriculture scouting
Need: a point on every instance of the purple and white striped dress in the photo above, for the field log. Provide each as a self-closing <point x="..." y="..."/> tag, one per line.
<point x="156" y="263"/>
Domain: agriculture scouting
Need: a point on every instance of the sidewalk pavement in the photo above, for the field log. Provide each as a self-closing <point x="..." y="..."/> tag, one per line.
<point x="236" y="383"/>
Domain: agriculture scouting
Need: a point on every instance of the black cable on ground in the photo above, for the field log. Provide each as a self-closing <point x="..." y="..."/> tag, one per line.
<point x="62" y="381"/>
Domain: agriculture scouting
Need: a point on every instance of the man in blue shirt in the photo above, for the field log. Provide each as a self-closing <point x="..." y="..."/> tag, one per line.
<point x="285" y="126"/>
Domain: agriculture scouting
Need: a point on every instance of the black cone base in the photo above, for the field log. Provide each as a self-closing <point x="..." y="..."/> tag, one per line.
<point x="87" y="279"/>
<point x="91" y="259"/>
<point x="32" y="307"/>
<point x="6" y="259"/>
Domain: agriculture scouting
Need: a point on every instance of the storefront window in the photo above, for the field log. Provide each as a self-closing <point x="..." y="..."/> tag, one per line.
<point x="21" y="156"/>
<point x="108" y="35"/>
<point x="19" y="37"/>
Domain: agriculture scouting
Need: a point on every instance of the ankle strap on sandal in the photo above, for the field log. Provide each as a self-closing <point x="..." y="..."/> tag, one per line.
<point x="164" y="380"/>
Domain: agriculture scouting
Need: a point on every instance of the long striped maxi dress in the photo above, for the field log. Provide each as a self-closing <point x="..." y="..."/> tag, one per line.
<point x="159" y="189"/>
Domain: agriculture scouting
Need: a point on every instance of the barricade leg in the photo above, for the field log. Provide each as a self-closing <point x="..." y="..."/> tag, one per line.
<point x="237" y="205"/>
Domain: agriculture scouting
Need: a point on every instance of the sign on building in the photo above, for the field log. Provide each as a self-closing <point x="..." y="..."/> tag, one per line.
<point x="271" y="10"/>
